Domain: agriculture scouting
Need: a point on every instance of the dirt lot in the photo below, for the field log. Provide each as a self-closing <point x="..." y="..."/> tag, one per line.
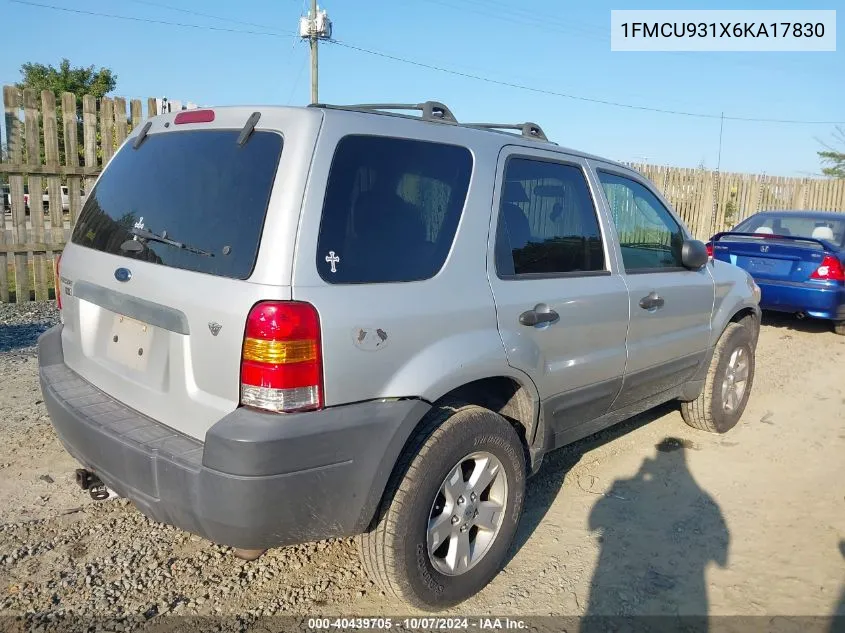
<point x="752" y="522"/>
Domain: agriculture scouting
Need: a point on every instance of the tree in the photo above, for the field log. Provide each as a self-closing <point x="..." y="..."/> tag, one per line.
<point x="80" y="80"/>
<point x="833" y="158"/>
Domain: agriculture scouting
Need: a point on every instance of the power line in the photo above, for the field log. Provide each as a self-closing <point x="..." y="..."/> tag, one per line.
<point x="630" y="106"/>
<point x="508" y="84"/>
<point x="151" y="20"/>
<point x="198" y="13"/>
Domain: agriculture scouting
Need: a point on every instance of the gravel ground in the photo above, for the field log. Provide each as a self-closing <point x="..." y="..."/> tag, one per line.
<point x="648" y="517"/>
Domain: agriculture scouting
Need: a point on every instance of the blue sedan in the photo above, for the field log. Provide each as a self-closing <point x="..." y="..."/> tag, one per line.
<point x="796" y="257"/>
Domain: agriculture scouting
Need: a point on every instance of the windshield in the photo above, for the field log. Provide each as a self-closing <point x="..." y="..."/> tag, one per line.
<point x="198" y="188"/>
<point x="819" y="227"/>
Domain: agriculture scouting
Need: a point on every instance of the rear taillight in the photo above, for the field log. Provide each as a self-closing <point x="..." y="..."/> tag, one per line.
<point x="830" y="270"/>
<point x="281" y="363"/>
<point x="57" y="284"/>
<point x="709" y="247"/>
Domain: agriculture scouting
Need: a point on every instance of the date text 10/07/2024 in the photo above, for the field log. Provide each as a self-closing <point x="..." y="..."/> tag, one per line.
<point x="423" y="623"/>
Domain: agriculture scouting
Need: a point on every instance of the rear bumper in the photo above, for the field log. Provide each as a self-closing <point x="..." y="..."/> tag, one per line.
<point x="259" y="480"/>
<point x="820" y="301"/>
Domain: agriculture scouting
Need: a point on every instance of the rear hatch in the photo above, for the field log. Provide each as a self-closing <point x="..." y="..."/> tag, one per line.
<point x="178" y="239"/>
<point x="768" y="257"/>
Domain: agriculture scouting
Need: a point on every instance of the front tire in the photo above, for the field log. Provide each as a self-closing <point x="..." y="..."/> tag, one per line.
<point x="728" y="383"/>
<point x="451" y="510"/>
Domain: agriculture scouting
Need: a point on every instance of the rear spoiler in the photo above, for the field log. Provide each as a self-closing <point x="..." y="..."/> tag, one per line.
<point x="766" y="236"/>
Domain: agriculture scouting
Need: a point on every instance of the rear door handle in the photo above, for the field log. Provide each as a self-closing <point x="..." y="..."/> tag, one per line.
<point x="652" y="302"/>
<point x="540" y="314"/>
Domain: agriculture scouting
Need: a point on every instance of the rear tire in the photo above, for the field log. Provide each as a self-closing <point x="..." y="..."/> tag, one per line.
<point x="433" y="480"/>
<point x="839" y="327"/>
<point x="728" y="383"/>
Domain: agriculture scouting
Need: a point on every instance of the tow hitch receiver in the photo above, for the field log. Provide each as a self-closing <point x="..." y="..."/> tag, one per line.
<point x="90" y="482"/>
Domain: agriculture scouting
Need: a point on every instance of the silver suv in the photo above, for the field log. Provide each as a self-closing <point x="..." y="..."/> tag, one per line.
<point x="287" y="324"/>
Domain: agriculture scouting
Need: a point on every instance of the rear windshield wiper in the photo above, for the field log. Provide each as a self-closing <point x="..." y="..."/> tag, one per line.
<point x="152" y="237"/>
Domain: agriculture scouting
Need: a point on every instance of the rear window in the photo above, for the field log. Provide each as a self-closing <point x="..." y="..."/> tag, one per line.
<point x="199" y="189"/>
<point x="391" y="209"/>
<point x="830" y="229"/>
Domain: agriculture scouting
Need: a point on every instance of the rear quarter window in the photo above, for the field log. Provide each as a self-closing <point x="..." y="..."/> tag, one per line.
<point x="198" y="188"/>
<point x="391" y="209"/>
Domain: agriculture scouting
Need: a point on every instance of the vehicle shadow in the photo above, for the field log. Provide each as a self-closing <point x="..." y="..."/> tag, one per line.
<point x="837" y="624"/>
<point x="791" y="322"/>
<point x="545" y="486"/>
<point x="20" y="336"/>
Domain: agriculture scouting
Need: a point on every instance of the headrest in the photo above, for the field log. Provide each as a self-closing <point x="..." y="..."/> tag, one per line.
<point x="514" y="192"/>
<point x="765" y="230"/>
<point x="823" y="233"/>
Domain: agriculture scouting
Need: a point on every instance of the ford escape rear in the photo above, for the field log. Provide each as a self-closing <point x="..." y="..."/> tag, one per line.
<point x="289" y="324"/>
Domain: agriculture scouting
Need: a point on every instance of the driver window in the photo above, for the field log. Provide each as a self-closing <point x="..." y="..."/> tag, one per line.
<point x="649" y="237"/>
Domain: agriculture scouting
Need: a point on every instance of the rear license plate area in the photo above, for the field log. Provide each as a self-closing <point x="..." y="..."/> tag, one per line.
<point x="768" y="266"/>
<point x="129" y="342"/>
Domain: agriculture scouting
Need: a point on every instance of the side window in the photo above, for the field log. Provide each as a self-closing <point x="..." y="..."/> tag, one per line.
<point x="649" y="237"/>
<point x="391" y="209"/>
<point x="547" y="221"/>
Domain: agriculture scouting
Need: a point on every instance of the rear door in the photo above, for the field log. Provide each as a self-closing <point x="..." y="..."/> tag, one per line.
<point x="178" y="239"/>
<point x="562" y="308"/>
<point x="671" y="306"/>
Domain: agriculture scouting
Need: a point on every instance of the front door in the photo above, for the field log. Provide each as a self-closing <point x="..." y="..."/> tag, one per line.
<point x="670" y="305"/>
<point x="562" y="309"/>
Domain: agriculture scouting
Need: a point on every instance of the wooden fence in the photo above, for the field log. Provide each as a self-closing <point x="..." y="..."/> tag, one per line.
<point x="50" y="146"/>
<point x="711" y="201"/>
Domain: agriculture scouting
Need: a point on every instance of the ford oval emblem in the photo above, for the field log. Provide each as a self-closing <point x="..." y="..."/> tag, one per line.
<point x="123" y="274"/>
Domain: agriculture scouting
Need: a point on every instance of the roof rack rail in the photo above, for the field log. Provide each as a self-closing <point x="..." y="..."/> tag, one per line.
<point x="431" y="110"/>
<point x="527" y="129"/>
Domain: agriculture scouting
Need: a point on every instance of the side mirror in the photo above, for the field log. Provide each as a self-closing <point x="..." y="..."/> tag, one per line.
<point x="694" y="254"/>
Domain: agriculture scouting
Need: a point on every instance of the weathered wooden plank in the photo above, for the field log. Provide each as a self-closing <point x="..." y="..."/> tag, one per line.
<point x="120" y="121"/>
<point x="135" y="110"/>
<point x="69" y="119"/>
<point x="32" y="247"/>
<point x="839" y="204"/>
<point x="54" y="187"/>
<point x="151" y="107"/>
<point x="45" y="170"/>
<point x="107" y="129"/>
<point x="54" y="183"/>
<point x="89" y="137"/>
<point x="11" y="105"/>
<point x="32" y="132"/>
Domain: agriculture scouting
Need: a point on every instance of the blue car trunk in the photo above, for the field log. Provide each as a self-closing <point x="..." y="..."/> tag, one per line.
<point x="771" y="258"/>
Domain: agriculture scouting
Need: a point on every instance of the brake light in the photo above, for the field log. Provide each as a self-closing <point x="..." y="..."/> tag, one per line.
<point x="709" y="247"/>
<point x="830" y="270"/>
<point x="57" y="284"/>
<point x="194" y="116"/>
<point x="281" y="362"/>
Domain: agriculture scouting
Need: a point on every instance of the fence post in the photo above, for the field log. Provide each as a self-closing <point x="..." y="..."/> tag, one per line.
<point x="70" y="121"/>
<point x="89" y="132"/>
<point x="135" y="108"/>
<point x="120" y="121"/>
<point x="107" y="129"/>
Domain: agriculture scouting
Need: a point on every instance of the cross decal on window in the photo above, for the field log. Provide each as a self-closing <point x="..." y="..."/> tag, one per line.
<point x="332" y="259"/>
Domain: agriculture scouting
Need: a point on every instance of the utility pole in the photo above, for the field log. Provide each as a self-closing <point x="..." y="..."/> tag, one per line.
<point x="314" y="65"/>
<point x="314" y="28"/>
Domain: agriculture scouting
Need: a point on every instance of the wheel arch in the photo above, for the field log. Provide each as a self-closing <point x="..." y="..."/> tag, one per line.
<point x="514" y="398"/>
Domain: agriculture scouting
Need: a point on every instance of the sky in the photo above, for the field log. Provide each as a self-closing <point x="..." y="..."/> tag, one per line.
<point x="560" y="47"/>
